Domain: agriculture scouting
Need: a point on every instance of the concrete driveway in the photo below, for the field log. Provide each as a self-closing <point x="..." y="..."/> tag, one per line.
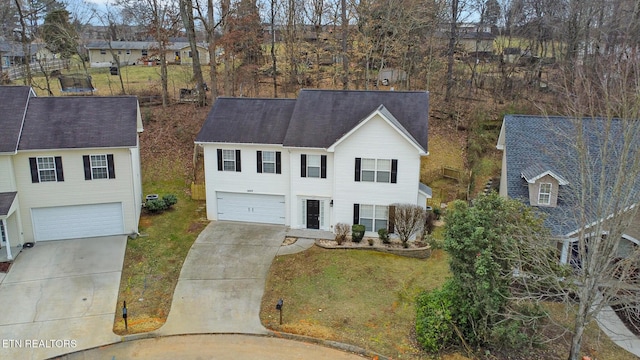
<point x="222" y="280"/>
<point x="60" y="296"/>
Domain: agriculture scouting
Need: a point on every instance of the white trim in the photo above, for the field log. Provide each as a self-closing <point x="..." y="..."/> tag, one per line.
<point x="560" y="179"/>
<point x="631" y="238"/>
<point x="105" y="167"/>
<point x="365" y="120"/>
<point x="548" y="194"/>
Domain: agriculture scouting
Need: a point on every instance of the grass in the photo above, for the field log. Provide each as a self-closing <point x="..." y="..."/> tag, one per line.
<point x="364" y="298"/>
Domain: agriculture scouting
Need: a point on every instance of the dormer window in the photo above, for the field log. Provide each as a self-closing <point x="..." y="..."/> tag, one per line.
<point x="544" y="194"/>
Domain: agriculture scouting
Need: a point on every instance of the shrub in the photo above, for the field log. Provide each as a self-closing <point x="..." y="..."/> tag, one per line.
<point x="437" y="212"/>
<point x="170" y="200"/>
<point x="429" y="222"/>
<point x="156" y="205"/>
<point x="342" y="230"/>
<point x="357" y="232"/>
<point x="434" y="326"/>
<point x="383" y="234"/>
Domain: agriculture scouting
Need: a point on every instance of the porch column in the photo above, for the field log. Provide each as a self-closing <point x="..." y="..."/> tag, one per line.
<point x="6" y="236"/>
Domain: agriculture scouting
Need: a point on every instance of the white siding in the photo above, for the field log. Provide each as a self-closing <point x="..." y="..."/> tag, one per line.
<point x="246" y="181"/>
<point x="7" y="182"/>
<point x="310" y="188"/>
<point x="376" y="140"/>
<point x="75" y="190"/>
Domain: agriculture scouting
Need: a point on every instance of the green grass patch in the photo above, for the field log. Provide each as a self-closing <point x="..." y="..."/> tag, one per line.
<point x="364" y="298"/>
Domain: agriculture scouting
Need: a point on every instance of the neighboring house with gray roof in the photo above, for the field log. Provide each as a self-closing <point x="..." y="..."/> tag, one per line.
<point x="539" y="167"/>
<point x="69" y="167"/>
<point x="327" y="157"/>
<point x="136" y="52"/>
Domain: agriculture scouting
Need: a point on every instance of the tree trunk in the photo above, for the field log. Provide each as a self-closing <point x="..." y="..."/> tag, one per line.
<point x="213" y="63"/>
<point x="345" y="56"/>
<point x="225" y="6"/>
<point x="186" y="12"/>
<point x="453" y="37"/>
<point x="26" y="48"/>
<point x="274" y="68"/>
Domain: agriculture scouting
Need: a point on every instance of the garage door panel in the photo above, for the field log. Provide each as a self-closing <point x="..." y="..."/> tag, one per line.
<point x="70" y="222"/>
<point x="260" y="208"/>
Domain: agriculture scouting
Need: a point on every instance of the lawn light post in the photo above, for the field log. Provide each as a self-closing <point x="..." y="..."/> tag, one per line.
<point x="279" y="308"/>
<point x="124" y="315"/>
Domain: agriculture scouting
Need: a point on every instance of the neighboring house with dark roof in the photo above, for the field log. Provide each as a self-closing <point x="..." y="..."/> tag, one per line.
<point x="324" y="158"/>
<point x="539" y="167"/>
<point x="135" y="52"/>
<point x="69" y="167"/>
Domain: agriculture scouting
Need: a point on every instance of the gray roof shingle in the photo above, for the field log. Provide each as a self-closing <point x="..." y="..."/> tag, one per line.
<point x="6" y="199"/>
<point x="80" y="122"/>
<point x="537" y="144"/>
<point x="321" y="117"/>
<point x="13" y="103"/>
<point x="245" y="120"/>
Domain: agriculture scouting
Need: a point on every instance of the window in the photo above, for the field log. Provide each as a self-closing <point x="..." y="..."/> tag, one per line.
<point x="103" y="51"/>
<point x="3" y="235"/>
<point x="229" y="160"/>
<point x="376" y="170"/>
<point x="314" y="166"/>
<point x="46" y="169"/>
<point x="544" y="196"/>
<point x="190" y="55"/>
<point x="145" y="52"/>
<point x="373" y="217"/>
<point x="269" y="162"/>
<point x="128" y="52"/>
<point x="98" y="167"/>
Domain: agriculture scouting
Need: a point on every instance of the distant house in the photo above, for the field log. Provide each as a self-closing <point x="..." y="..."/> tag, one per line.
<point x="136" y="52"/>
<point x="69" y="167"/>
<point x="539" y="168"/>
<point x="472" y="38"/>
<point x="324" y="158"/>
<point x="12" y="53"/>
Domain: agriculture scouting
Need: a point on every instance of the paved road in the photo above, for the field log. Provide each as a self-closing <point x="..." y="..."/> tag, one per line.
<point x="222" y="280"/>
<point x="219" y="347"/>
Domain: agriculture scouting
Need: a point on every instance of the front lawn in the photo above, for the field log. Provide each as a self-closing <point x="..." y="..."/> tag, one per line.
<point x="365" y="298"/>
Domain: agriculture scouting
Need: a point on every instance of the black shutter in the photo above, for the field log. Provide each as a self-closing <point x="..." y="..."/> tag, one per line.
<point x="358" y="161"/>
<point x="394" y="171"/>
<point x="59" y="172"/>
<point x="323" y="166"/>
<point x="278" y="162"/>
<point x="356" y="214"/>
<point x="238" y="165"/>
<point x="87" y="167"/>
<point x="392" y="219"/>
<point x="111" y="167"/>
<point x="303" y="165"/>
<point x="259" y="161"/>
<point x="219" y="159"/>
<point x="34" y="170"/>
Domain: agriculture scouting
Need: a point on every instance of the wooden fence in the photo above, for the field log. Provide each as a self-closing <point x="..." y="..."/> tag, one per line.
<point x="452" y="173"/>
<point x="198" y="192"/>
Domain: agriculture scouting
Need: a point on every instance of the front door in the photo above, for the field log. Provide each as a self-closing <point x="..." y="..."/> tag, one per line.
<point x="313" y="214"/>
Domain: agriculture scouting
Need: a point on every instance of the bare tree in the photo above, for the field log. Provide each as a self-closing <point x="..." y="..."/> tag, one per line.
<point x="408" y="220"/>
<point x="186" y="12"/>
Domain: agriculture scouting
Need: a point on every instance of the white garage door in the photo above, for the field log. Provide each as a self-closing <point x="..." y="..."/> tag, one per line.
<point x="71" y="222"/>
<point x="259" y="208"/>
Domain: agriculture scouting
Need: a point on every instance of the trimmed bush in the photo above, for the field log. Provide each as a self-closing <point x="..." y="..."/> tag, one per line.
<point x="170" y="200"/>
<point x="383" y="234"/>
<point x="357" y="232"/>
<point x="342" y="230"/>
<point x="434" y="321"/>
<point x="156" y="205"/>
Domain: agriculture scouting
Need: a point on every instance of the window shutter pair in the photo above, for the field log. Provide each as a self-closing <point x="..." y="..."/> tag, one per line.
<point x="35" y="176"/>
<point x="394" y="170"/>
<point x="278" y="162"/>
<point x="323" y="166"/>
<point x="111" y="170"/>
<point x="220" y="160"/>
<point x="391" y="217"/>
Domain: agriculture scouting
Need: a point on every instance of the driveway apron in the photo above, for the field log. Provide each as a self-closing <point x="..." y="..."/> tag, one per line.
<point x="60" y="296"/>
<point x="222" y="280"/>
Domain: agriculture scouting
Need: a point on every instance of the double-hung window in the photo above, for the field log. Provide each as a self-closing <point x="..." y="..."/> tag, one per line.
<point x="269" y="162"/>
<point x="544" y="195"/>
<point x="374" y="217"/>
<point x="313" y="166"/>
<point x="376" y="170"/>
<point x="46" y="169"/>
<point x="98" y="166"/>
<point x="229" y="160"/>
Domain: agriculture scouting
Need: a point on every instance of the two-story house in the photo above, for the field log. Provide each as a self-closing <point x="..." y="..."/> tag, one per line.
<point x="69" y="167"/>
<point x="324" y="158"/>
<point x="540" y="168"/>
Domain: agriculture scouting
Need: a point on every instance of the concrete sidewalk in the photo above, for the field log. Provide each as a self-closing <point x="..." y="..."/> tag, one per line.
<point x="222" y="280"/>
<point x="615" y="329"/>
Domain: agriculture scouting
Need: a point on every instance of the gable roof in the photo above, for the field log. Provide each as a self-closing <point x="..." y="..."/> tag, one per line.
<point x="321" y="117"/>
<point x="316" y="119"/>
<point x="80" y="122"/>
<point x="246" y="120"/>
<point x="13" y="104"/>
<point x="539" y="170"/>
<point x="553" y="150"/>
<point x="6" y="200"/>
